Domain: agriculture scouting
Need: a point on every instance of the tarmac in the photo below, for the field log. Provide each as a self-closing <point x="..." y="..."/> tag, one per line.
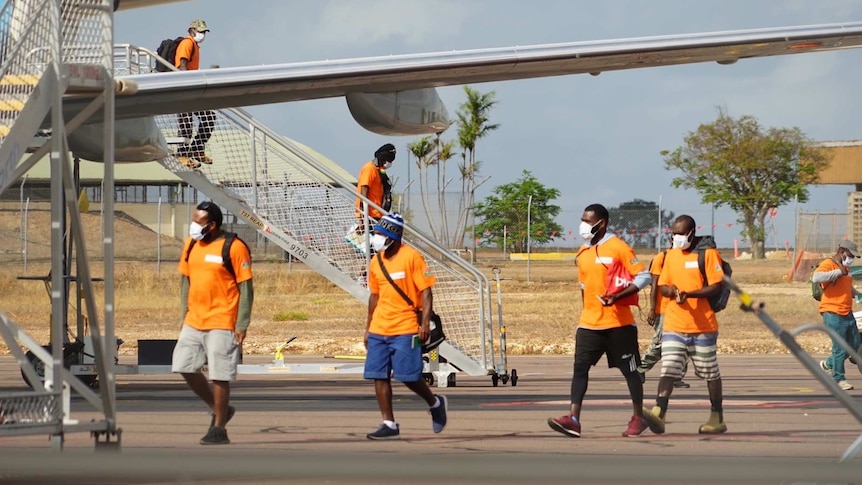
<point x="783" y="427"/>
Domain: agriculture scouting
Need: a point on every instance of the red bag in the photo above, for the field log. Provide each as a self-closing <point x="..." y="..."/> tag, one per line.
<point x="617" y="280"/>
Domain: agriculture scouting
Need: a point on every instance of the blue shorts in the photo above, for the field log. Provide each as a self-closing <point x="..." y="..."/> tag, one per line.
<point x="393" y="355"/>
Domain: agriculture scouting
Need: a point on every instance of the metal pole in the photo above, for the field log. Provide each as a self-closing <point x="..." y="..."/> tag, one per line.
<point x="253" y="143"/>
<point x="658" y="237"/>
<point x="529" y="207"/>
<point x="107" y="383"/>
<point x="26" y="226"/>
<point x="795" y="222"/>
<point x="712" y="222"/>
<point x="58" y="309"/>
<point x="21" y="198"/>
<point x="159" y="240"/>
<point x="505" y="234"/>
<point x="406" y="206"/>
<point x="401" y="206"/>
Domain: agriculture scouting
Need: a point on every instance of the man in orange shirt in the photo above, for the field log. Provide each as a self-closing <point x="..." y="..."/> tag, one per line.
<point x="188" y="58"/>
<point x="690" y="327"/>
<point x="393" y="334"/>
<point x="606" y="327"/>
<point x="216" y="306"/>
<point x="655" y="318"/>
<point x="374" y="184"/>
<point x="836" y="307"/>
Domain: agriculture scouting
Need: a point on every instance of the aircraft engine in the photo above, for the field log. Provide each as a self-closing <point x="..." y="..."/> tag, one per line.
<point x="414" y="112"/>
<point x="135" y="140"/>
<point x="130" y="4"/>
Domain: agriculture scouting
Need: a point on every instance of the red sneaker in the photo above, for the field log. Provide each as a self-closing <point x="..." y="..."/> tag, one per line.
<point x="566" y="425"/>
<point x="637" y="427"/>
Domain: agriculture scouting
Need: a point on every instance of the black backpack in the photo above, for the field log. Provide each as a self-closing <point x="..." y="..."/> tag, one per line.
<point x="717" y="302"/>
<point x="168" y="51"/>
<point x="229" y="238"/>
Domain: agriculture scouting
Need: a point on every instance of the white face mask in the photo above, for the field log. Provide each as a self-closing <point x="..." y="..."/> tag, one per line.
<point x="196" y="231"/>
<point x="200" y="36"/>
<point x="848" y="260"/>
<point x="587" y="231"/>
<point x="378" y="242"/>
<point x="681" y="241"/>
<point x="386" y="165"/>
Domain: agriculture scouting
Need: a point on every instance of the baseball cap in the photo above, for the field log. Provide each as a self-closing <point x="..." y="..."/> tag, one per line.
<point x="849" y="246"/>
<point x="199" y="25"/>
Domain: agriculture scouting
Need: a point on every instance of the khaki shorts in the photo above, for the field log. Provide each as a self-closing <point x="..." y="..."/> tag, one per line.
<point x="217" y="349"/>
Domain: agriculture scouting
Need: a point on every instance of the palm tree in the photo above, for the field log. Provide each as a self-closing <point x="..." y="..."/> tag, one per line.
<point x="421" y="149"/>
<point x="473" y="124"/>
<point x="444" y="152"/>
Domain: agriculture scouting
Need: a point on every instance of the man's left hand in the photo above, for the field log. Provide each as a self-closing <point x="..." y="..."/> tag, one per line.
<point x="424" y="332"/>
<point x="240" y="336"/>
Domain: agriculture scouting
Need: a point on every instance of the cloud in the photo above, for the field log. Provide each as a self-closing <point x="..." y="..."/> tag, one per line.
<point x="398" y="23"/>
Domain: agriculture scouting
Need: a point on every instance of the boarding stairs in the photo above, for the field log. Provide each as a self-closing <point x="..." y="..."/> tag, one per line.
<point x="307" y="207"/>
<point x="48" y="49"/>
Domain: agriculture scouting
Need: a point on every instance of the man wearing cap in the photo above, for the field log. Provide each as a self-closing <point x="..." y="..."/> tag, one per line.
<point x="188" y="58"/>
<point x="374" y="184"/>
<point x="836" y="307"/>
<point x="393" y="335"/>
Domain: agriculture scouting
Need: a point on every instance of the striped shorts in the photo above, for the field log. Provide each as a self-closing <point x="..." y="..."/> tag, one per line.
<point x="676" y="348"/>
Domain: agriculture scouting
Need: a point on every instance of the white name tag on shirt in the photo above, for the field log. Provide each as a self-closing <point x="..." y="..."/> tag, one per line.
<point x="211" y="258"/>
<point x="398" y="275"/>
<point x="691" y="264"/>
<point x="606" y="260"/>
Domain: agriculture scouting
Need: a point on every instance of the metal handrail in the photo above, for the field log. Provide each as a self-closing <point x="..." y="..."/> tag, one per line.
<point x="130" y="51"/>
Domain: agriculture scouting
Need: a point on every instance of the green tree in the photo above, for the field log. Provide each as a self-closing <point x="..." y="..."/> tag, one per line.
<point x="636" y="222"/>
<point x="506" y="210"/>
<point x="738" y="163"/>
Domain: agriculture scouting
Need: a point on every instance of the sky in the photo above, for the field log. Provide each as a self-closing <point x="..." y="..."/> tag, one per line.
<point x="595" y="139"/>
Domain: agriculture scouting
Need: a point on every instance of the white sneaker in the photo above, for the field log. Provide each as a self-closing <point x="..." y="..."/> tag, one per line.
<point x="845" y="385"/>
<point x="825" y="367"/>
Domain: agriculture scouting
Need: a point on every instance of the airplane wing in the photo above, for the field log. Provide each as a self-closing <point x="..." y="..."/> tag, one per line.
<point x="174" y="92"/>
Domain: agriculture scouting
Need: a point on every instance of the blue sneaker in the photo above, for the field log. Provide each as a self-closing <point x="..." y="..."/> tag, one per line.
<point x="385" y="433"/>
<point x="438" y="414"/>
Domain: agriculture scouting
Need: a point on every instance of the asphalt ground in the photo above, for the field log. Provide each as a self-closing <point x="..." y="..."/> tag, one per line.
<point x="783" y="427"/>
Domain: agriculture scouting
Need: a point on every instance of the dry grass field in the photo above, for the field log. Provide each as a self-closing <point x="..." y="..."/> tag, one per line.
<point x="540" y="315"/>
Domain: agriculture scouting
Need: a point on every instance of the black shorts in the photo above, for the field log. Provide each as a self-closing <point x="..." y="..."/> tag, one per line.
<point x="620" y="344"/>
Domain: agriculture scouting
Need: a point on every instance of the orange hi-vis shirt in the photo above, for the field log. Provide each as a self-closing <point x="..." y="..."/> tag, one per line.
<point x="593" y="263"/>
<point x="369" y="176"/>
<point x="837" y="295"/>
<point x="680" y="268"/>
<point x="408" y="270"/>
<point x="189" y="50"/>
<point x="213" y="292"/>
<point x="655" y="269"/>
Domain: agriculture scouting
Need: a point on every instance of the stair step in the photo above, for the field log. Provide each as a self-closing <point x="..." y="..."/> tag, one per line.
<point x="12" y="104"/>
<point x="19" y="80"/>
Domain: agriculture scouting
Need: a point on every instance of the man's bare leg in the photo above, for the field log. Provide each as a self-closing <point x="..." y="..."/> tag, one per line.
<point x="221" y="397"/>
<point x="383" y="390"/>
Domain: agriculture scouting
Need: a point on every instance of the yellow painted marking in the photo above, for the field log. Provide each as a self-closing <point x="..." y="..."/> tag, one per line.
<point x="19" y="80"/>
<point x="803" y="390"/>
<point x="12" y="105"/>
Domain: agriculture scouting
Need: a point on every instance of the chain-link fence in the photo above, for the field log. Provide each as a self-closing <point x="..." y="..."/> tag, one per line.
<point x="817" y="236"/>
